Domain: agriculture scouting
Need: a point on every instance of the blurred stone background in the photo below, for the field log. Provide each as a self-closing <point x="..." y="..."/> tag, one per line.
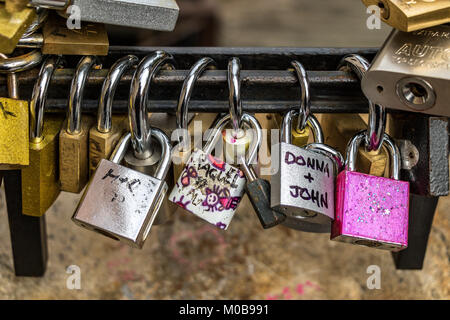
<point x="189" y="259"/>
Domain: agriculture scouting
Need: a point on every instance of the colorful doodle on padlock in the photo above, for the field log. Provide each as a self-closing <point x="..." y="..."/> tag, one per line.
<point x="209" y="188"/>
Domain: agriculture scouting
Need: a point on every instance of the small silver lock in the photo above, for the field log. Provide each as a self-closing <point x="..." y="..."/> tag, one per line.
<point x="122" y="203"/>
<point x="303" y="186"/>
<point x="210" y="188"/>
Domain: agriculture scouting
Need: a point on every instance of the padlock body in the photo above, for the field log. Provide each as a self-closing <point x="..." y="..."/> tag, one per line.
<point x="371" y="211"/>
<point x="120" y="203"/>
<point x="40" y="183"/>
<point x="13" y="27"/>
<point x="411" y="72"/>
<point x="14" y="136"/>
<point x="303" y="185"/>
<point x="258" y="192"/>
<point x="73" y="157"/>
<point x="209" y="188"/>
<point x="90" y="39"/>
<point x="101" y="145"/>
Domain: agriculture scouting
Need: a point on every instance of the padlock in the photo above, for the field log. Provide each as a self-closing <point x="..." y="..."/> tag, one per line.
<point x="189" y="130"/>
<point x="14" y="135"/>
<point x="407" y="15"/>
<point x="90" y="39"/>
<point x="210" y="188"/>
<point x="303" y="183"/>
<point x="410" y="72"/>
<point x="15" y="5"/>
<point x="74" y="138"/>
<point x="145" y="156"/>
<point x="155" y="15"/>
<point x="371" y="211"/>
<point x="122" y="203"/>
<point x="258" y="191"/>
<point x="110" y="128"/>
<point x="40" y="183"/>
<point x="13" y="27"/>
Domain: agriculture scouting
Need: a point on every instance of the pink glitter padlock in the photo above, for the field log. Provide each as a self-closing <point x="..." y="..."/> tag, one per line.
<point x="371" y="211"/>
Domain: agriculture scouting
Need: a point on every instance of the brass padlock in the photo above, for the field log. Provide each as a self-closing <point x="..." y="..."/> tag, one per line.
<point x="411" y="15"/>
<point x="109" y="129"/>
<point x="188" y="130"/>
<point x="73" y="139"/>
<point x="15" y="5"/>
<point x="90" y="39"/>
<point x="145" y="155"/>
<point x="14" y="136"/>
<point x="13" y="26"/>
<point x="40" y="183"/>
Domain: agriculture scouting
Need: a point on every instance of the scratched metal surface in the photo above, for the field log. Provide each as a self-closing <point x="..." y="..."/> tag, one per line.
<point x="188" y="258"/>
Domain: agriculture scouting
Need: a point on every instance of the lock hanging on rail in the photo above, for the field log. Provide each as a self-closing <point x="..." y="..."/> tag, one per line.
<point x="371" y="211"/>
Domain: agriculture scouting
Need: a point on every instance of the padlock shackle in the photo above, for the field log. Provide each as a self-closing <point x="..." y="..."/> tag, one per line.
<point x="41" y="17"/>
<point x="121" y="148"/>
<point x="305" y="103"/>
<point x="312" y="122"/>
<point x="39" y="97"/>
<point x="330" y="152"/>
<point x="21" y="63"/>
<point x="11" y="78"/>
<point x="141" y="131"/>
<point x="77" y="86"/>
<point x="110" y="84"/>
<point x="164" y="162"/>
<point x="352" y="153"/>
<point x="234" y="93"/>
<point x="377" y="113"/>
<point x="219" y="126"/>
<point x="182" y="114"/>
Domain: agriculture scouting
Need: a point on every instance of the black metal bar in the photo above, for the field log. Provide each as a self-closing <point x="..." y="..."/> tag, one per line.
<point x="28" y="234"/>
<point x="267" y="85"/>
<point x="421" y="213"/>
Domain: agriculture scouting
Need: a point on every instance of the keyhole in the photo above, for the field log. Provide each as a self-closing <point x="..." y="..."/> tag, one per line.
<point x="384" y="9"/>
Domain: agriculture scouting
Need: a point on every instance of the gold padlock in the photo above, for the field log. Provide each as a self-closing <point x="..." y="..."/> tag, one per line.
<point x="13" y="26"/>
<point x="110" y="128"/>
<point x="40" y="184"/>
<point x="90" y="39"/>
<point x="411" y="15"/>
<point x="15" y="5"/>
<point x="74" y="138"/>
<point x="14" y="136"/>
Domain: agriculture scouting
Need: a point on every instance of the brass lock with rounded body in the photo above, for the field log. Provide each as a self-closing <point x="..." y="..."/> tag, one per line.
<point x="40" y="183"/>
<point x="109" y="129"/>
<point x="73" y="139"/>
<point x="13" y="27"/>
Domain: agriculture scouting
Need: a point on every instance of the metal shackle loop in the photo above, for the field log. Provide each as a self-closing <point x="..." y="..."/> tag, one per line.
<point x="234" y="87"/>
<point x="21" y="63"/>
<point x="13" y="85"/>
<point x="141" y="131"/>
<point x="330" y="152"/>
<point x="352" y="153"/>
<point x="377" y="113"/>
<point x="39" y="97"/>
<point x="121" y="149"/>
<point x="312" y="122"/>
<point x="305" y="104"/>
<point x="41" y="17"/>
<point x="76" y="93"/>
<point x="110" y="84"/>
<point x="186" y="91"/>
<point x="219" y="126"/>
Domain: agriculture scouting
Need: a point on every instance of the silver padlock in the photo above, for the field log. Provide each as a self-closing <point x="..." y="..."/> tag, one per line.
<point x="159" y="15"/>
<point x="303" y="185"/>
<point x="210" y="188"/>
<point x="411" y="72"/>
<point x="145" y="155"/>
<point x="122" y="203"/>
